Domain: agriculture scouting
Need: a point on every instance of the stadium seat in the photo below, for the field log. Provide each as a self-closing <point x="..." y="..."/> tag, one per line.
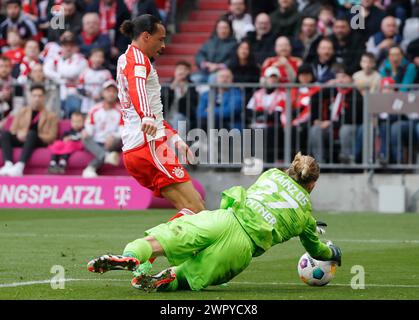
<point x="38" y="163"/>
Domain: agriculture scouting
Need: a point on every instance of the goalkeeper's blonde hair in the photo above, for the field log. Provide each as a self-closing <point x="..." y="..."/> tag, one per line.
<point x="304" y="169"/>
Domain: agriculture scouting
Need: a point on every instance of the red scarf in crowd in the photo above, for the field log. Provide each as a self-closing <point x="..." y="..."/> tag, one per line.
<point x="88" y="40"/>
<point x="107" y="17"/>
<point x="30" y="7"/>
<point x="339" y="103"/>
<point x="301" y="101"/>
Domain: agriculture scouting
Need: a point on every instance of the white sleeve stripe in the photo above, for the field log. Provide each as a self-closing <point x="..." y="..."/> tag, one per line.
<point x="142" y="83"/>
<point x="141" y="57"/>
<point x="135" y="54"/>
<point x="140" y="96"/>
<point x="143" y="97"/>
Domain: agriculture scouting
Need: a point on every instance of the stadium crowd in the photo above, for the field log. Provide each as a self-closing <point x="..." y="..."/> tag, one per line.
<point x="261" y="42"/>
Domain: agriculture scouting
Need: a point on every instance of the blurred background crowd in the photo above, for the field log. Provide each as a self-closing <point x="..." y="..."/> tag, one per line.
<point x="58" y="59"/>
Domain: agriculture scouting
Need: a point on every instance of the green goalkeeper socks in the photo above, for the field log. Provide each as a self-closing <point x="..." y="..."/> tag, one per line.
<point x="139" y="249"/>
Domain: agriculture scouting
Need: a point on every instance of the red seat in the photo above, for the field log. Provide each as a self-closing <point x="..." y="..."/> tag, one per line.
<point x="39" y="161"/>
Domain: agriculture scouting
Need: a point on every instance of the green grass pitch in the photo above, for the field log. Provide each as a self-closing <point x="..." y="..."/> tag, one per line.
<point x="32" y="241"/>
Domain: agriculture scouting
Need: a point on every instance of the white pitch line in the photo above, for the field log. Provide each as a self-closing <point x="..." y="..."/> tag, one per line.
<point x="31" y="283"/>
<point x="46" y="235"/>
<point x="331" y="284"/>
<point x="376" y="241"/>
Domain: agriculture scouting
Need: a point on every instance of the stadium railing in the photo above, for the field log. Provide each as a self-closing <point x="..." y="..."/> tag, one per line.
<point x="375" y="118"/>
<point x="387" y="136"/>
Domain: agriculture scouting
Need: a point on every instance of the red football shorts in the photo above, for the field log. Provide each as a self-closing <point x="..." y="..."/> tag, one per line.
<point x="154" y="165"/>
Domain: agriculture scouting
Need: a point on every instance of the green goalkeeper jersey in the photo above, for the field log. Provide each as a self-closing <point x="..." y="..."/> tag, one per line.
<point x="273" y="210"/>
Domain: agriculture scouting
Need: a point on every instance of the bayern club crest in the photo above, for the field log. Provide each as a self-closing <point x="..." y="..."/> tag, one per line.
<point x="178" y="172"/>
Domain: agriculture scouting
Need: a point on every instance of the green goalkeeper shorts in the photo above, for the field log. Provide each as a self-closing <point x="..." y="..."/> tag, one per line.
<point x="210" y="247"/>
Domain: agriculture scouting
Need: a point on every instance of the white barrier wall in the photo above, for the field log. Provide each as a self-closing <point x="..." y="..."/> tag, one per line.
<point x="334" y="192"/>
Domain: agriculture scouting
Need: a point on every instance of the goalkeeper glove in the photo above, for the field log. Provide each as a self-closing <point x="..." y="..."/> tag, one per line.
<point x="321" y="227"/>
<point x="336" y="253"/>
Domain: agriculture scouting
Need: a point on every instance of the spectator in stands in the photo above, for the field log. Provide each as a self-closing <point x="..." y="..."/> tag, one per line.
<point x="367" y="79"/>
<point x="112" y="13"/>
<point x="286" y="19"/>
<point x="30" y="59"/>
<point x="215" y="53"/>
<point x="17" y="20"/>
<point x="72" y="21"/>
<point x="262" y="40"/>
<point x="36" y="76"/>
<point x="398" y="67"/>
<point x="14" y="49"/>
<point x="412" y="52"/>
<point x="65" y="69"/>
<point x="163" y="6"/>
<point x="311" y="8"/>
<point x="102" y="133"/>
<point x="32" y="127"/>
<point x="301" y="105"/>
<point x="267" y="6"/>
<point x="244" y="68"/>
<point x="266" y="106"/>
<point x="379" y="43"/>
<point x="347" y="45"/>
<point x="6" y="89"/>
<point x="286" y="64"/>
<point x="384" y="123"/>
<point x="70" y="142"/>
<point x="182" y="98"/>
<point x="92" y="79"/>
<point x="240" y="20"/>
<point x="243" y="64"/>
<point x="415" y="8"/>
<point x="228" y="104"/>
<point x="147" y="7"/>
<point x="39" y="12"/>
<point x="401" y="9"/>
<point x="323" y="63"/>
<point x="403" y="131"/>
<point x="372" y="17"/>
<point x="345" y="117"/>
<point x="326" y="21"/>
<point x="305" y="44"/>
<point x="91" y="36"/>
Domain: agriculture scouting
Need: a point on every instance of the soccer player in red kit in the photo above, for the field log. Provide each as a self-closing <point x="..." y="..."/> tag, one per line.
<point x="146" y="136"/>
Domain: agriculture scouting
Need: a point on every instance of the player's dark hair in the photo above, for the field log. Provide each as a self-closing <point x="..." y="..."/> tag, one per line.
<point x="144" y="23"/>
<point x="38" y="86"/>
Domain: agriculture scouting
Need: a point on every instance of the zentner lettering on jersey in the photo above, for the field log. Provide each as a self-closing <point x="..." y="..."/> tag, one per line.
<point x="259" y="208"/>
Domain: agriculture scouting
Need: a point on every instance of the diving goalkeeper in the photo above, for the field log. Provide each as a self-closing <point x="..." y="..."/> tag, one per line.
<point x="215" y="246"/>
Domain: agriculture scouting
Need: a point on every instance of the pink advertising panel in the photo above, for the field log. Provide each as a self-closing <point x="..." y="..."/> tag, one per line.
<point x="73" y="192"/>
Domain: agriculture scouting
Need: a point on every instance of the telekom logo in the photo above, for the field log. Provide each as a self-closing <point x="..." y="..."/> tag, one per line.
<point x="122" y="195"/>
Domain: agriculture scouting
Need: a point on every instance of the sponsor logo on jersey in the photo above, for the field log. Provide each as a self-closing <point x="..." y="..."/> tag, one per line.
<point x="140" y="71"/>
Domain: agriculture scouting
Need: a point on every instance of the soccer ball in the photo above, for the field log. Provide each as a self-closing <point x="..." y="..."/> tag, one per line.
<point x="314" y="272"/>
